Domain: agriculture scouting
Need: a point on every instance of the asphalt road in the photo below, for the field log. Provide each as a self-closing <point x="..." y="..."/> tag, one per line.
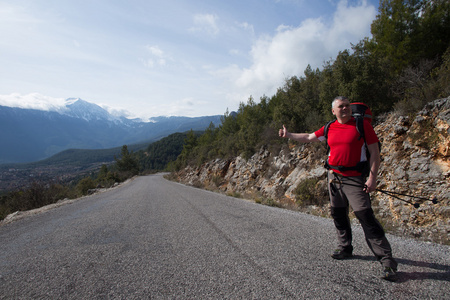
<point x="152" y="238"/>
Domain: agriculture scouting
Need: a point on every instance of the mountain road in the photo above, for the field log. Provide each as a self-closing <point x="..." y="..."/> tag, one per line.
<point x="155" y="239"/>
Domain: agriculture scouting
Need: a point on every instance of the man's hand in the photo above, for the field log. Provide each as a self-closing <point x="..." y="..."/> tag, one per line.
<point x="299" y="137"/>
<point x="283" y="132"/>
<point x="370" y="185"/>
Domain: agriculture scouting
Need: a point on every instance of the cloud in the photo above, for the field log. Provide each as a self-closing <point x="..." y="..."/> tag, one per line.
<point x="15" y="14"/>
<point x="177" y="108"/>
<point x="351" y="21"/>
<point x="157" y="57"/>
<point x="32" y="101"/>
<point x="247" y="27"/>
<point x="118" y="111"/>
<point x="155" y="50"/>
<point x="205" y="23"/>
<point x="288" y="52"/>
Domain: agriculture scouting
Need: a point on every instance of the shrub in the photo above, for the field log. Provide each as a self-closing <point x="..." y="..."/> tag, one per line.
<point x="84" y="185"/>
<point x="36" y="195"/>
<point x="311" y="191"/>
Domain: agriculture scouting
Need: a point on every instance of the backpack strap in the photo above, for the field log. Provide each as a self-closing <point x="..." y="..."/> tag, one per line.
<point x="325" y="134"/>
<point x="360" y="127"/>
<point x="326" y="127"/>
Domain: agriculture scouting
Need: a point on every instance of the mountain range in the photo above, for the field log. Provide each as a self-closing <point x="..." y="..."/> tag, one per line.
<point x="28" y="135"/>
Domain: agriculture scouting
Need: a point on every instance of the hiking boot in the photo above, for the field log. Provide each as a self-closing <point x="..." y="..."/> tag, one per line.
<point x="389" y="274"/>
<point x="341" y="254"/>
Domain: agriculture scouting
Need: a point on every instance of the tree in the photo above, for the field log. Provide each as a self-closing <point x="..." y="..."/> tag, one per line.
<point x="127" y="163"/>
<point x="187" y="154"/>
<point x="396" y="32"/>
<point x="226" y="135"/>
<point x="327" y="90"/>
<point x="408" y="31"/>
<point x="363" y="77"/>
<point x="84" y="185"/>
<point x="103" y="173"/>
<point x="207" y="142"/>
<point x="291" y="107"/>
<point x="435" y="29"/>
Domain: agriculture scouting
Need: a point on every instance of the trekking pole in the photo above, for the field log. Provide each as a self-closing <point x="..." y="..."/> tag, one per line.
<point x="415" y="204"/>
<point x="394" y="194"/>
<point x="391" y="193"/>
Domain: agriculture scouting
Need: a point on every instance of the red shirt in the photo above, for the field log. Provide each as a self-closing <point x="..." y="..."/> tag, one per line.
<point x="346" y="149"/>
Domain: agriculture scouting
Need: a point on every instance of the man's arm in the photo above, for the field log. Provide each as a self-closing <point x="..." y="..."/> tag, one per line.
<point x="300" y="137"/>
<point x="374" y="163"/>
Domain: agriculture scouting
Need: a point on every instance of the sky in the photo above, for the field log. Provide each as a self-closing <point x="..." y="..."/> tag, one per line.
<point x="149" y="58"/>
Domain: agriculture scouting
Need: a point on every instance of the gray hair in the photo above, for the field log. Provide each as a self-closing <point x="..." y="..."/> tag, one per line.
<point x="338" y="98"/>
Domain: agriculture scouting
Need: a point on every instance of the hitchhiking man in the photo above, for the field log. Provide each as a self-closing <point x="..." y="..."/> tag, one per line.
<point x="348" y="185"/>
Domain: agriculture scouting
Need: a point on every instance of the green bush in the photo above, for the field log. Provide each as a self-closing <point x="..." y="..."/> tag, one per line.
<point x="38" y="194"/>
<point x="84" y="185"/>
<point x="311" y="191"/>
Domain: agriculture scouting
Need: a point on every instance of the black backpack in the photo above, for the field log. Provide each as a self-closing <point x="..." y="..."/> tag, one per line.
<point x="360" y="111"/>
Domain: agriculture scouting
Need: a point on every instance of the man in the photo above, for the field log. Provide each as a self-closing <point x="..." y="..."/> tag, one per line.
<point x="347" y="185"/>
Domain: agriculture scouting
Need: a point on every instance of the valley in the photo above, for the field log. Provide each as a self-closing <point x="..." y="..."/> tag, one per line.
<point x="16" y="178"/>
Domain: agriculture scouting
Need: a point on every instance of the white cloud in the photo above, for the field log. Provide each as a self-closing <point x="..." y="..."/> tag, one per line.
<point x="350" y="22"/>
<point x="291" y="49"/>
<point x="157" y="57"/>
<point x="16" y="14"/>
<point x="177" y="108"/>
<point x="155" y="50"/>
<point x="118" y="111"/>
<point x="32" y="101"/>
<point x="205" y="23"/>
<point x="234" y="52"/>
<point x="246" y="26"/>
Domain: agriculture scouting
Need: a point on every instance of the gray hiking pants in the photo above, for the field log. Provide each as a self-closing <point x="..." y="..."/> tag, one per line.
<point x="345" y="191"/>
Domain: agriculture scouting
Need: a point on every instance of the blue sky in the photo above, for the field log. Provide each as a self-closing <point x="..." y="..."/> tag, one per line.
<point x="167" y="57"/>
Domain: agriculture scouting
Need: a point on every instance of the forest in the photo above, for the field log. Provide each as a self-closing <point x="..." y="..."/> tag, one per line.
<point x="404" y="65"/>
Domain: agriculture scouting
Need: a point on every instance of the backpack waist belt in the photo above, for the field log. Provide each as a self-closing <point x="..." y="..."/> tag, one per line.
<point x="360" y="167"/>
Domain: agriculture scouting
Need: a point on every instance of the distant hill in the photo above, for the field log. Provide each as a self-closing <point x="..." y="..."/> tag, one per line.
<point x="29" y="135"/>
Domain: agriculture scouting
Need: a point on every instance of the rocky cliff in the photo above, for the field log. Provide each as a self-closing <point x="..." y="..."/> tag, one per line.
<point x="415" y="161"/>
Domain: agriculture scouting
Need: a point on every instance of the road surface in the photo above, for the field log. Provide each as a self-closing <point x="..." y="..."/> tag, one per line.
<point x="156" y="239"/>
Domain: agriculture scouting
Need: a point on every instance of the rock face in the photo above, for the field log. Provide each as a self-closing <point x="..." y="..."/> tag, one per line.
<point x="415" y="161"/>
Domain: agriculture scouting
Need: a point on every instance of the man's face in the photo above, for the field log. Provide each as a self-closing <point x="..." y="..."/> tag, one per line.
<point x="342" y="110"/>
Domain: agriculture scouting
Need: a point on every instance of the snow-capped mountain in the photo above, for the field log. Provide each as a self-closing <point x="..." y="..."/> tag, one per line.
<point x="74" y="107"/>
<point x="30" y="134"/>
<point x="81" y="109"/>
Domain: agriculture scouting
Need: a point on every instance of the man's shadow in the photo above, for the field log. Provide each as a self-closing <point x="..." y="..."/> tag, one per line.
<point x="416" y="275"/>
